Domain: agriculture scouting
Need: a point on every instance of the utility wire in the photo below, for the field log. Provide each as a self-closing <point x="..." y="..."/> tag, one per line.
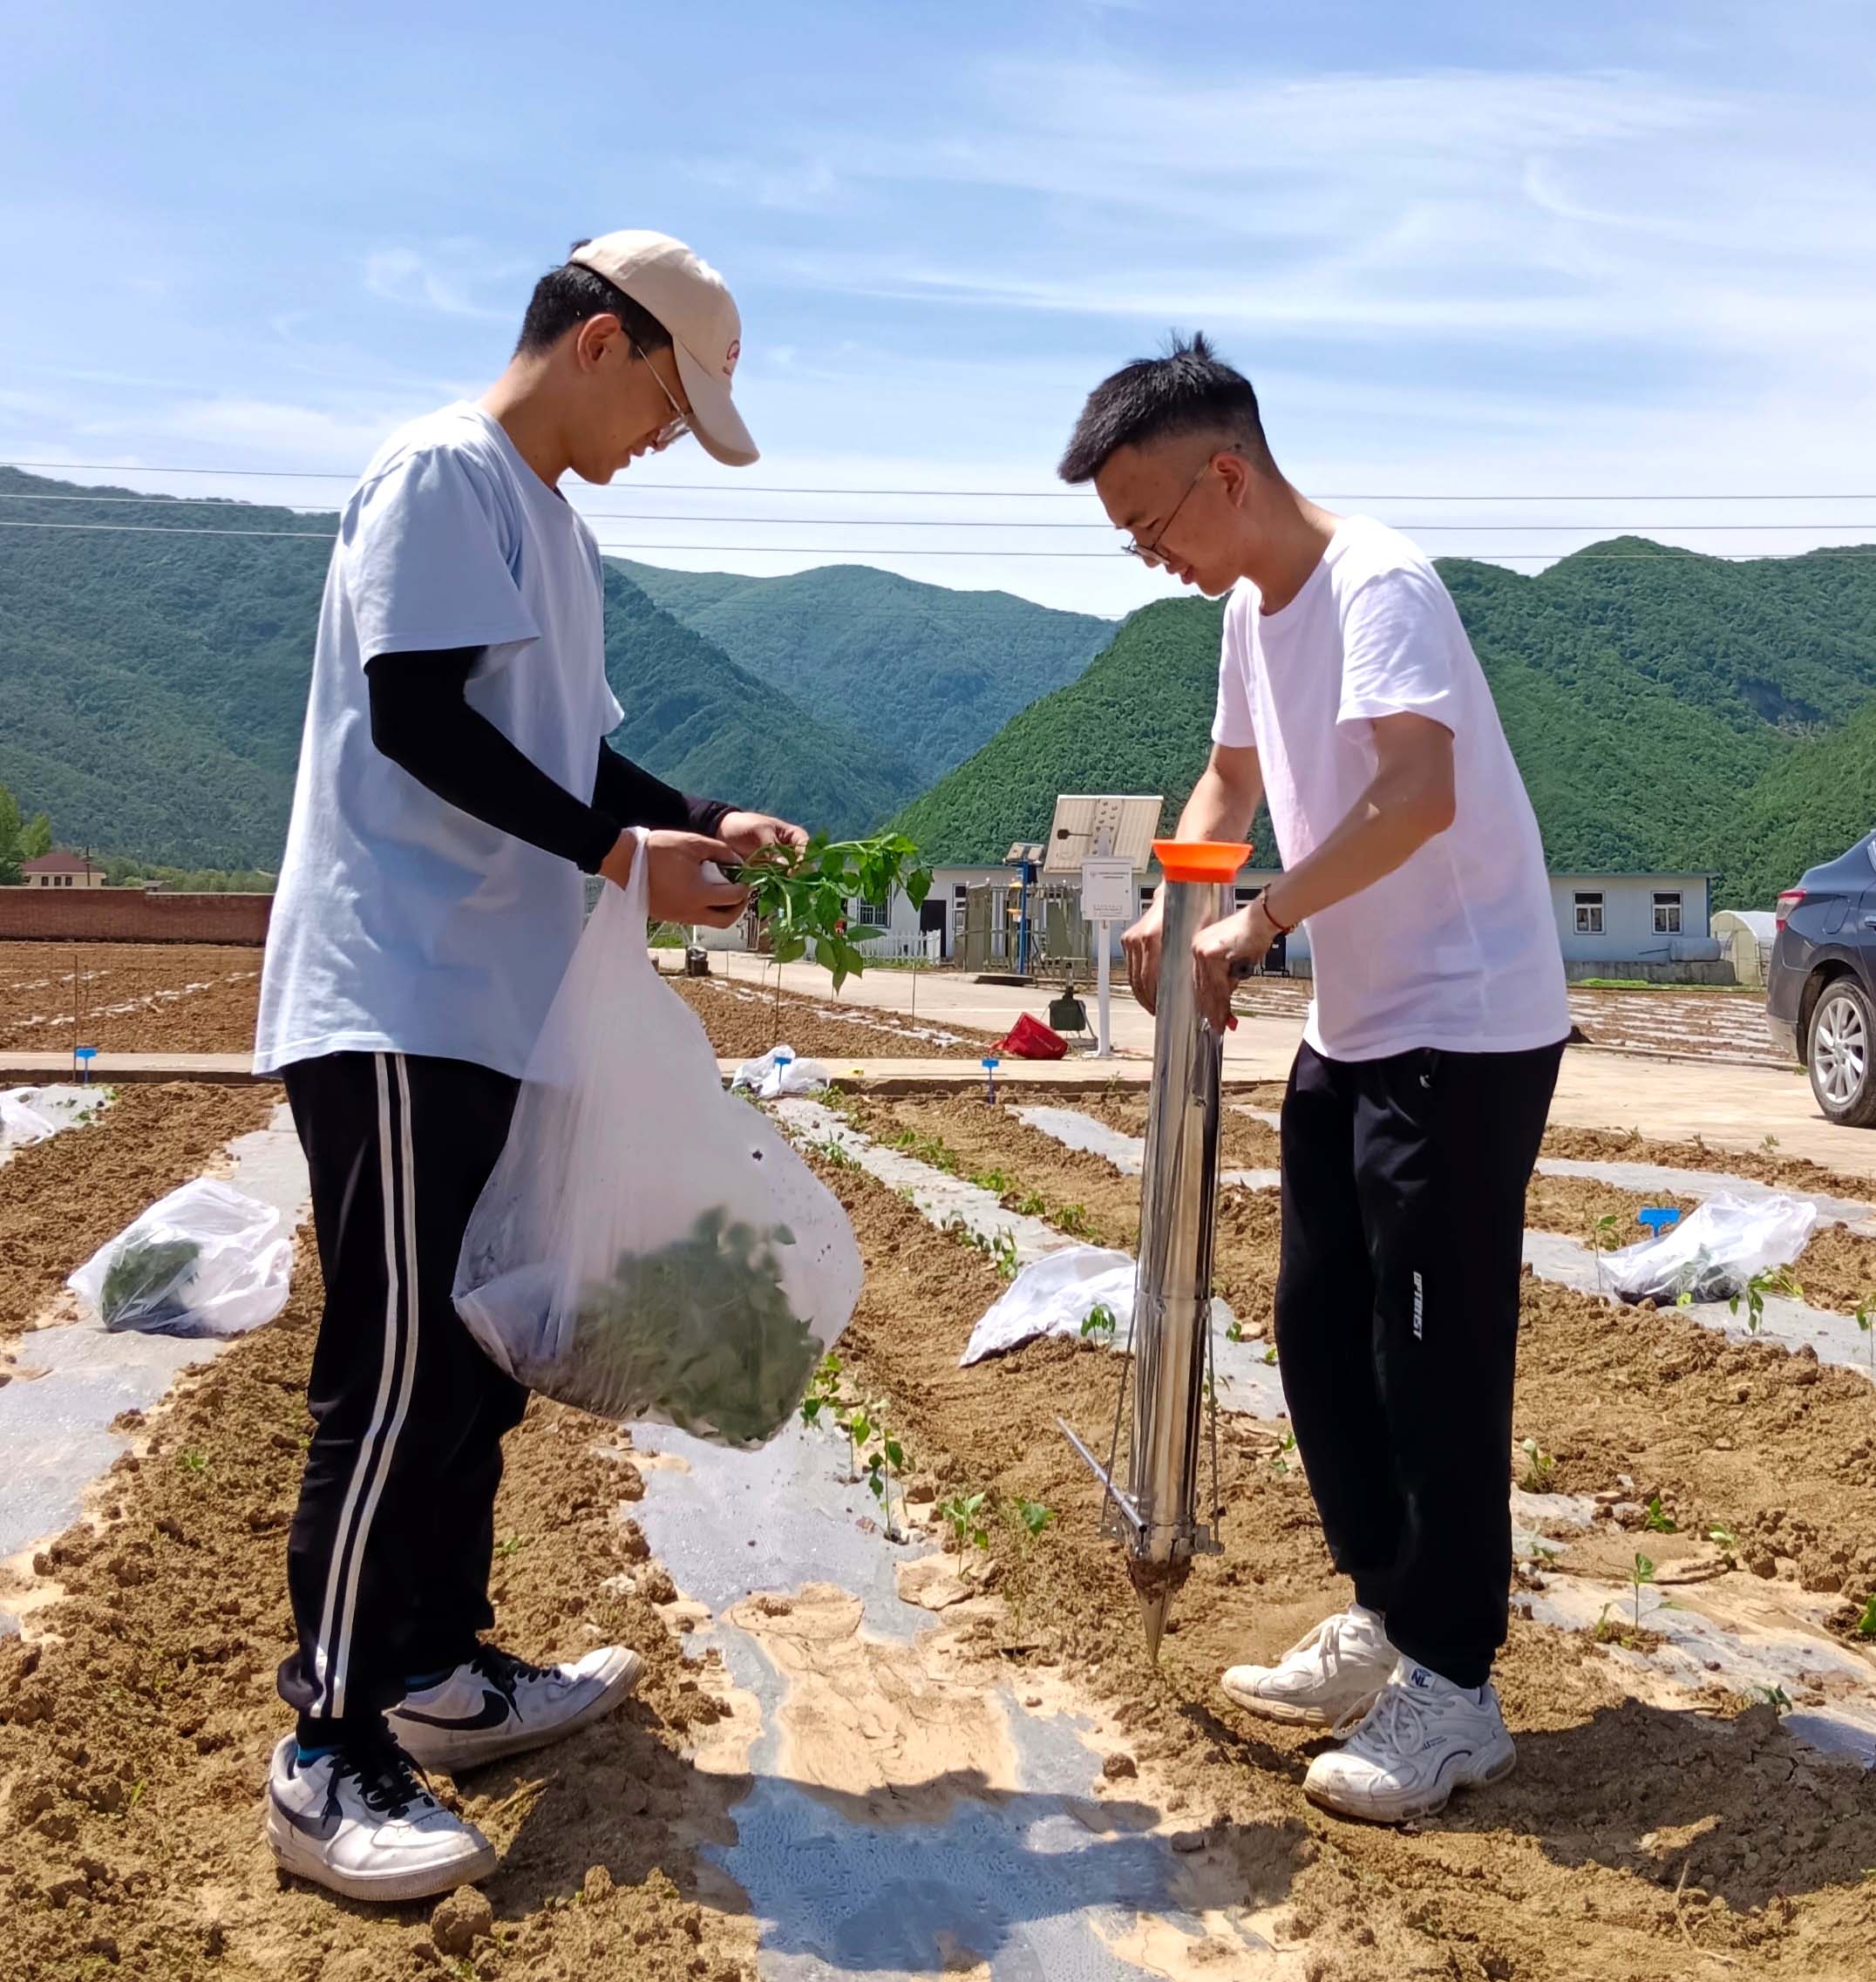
<point x="223" y="503"/>
<point x="905" y="550"/>
<point x="1013" y="495"/>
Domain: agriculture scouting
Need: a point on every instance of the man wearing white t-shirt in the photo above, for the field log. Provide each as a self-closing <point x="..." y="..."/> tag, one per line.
<point x="1351" y="700"/>
<point x="454" y="786"/>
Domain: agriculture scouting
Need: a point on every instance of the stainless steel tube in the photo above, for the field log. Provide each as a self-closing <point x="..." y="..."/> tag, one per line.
<point x="1178" y="1192"/>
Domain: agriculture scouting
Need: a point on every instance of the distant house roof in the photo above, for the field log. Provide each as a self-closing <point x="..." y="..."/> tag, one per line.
<point x="58" y="861"/>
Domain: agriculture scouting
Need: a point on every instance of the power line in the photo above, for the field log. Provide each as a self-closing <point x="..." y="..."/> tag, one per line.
<point x="1012" y="495"/>
<point x="949" y="523"/>
<point x="914" y="550"/>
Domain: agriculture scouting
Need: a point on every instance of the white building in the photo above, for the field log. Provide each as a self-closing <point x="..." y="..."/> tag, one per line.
<point x="1608" y="925"/>
<point x="1657" y="920"/>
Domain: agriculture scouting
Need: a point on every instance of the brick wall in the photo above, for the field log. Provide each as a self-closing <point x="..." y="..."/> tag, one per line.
<point x="129" y="916"/>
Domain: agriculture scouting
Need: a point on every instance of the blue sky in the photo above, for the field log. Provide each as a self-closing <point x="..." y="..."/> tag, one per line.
<point x="1467" y="252"/>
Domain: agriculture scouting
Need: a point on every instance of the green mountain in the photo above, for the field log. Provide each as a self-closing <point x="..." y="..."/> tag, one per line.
<point x="152" y="682"/>
<point x="706" y="725"/>
<point x="1815" y="801"/>
<point x="1668" y="710"/>
<point x="937" y="672"/>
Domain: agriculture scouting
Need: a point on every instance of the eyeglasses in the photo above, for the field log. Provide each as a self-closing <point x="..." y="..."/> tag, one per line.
<point x="1150" y="554"/>
<point x="676" y="429"/>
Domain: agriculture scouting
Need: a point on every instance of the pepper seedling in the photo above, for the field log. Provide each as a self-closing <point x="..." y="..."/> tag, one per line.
<point x="961" y="1514"/>
<point x="804" y="894"/>
<point x="1034" y="1516"/>
<point x="1866" y="1625"/>
<point x="1655" y="1521"/>
<point x="1644" y="1573"/>
<point x="824" y="1390"/>
<point x="1098" y="1324"/>
<point x="1540" y="1467"/>
<point x="1777" y="1279"/>
<point x="883" y="1467"/>
<point x="1601" y="1236"/>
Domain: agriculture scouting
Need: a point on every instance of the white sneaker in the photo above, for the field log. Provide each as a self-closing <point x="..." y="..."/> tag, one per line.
<point x="359" y="1821"/>
<point x="1323" y="1678"/>
<point x="497" y="1705"/>
<point x="1422" y="1738"/>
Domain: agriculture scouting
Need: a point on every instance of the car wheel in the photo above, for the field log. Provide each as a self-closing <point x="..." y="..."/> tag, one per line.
<point x="1841" y="1054"/>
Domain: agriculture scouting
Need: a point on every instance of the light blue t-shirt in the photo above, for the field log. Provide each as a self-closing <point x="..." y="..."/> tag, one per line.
<point x="402" y="924"/>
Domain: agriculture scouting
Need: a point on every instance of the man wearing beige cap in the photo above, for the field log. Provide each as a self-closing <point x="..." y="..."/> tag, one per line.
<point x="454" y="784"/>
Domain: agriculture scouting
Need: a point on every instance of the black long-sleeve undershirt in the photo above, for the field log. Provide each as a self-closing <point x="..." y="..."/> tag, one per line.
<point x="422" y="720"/>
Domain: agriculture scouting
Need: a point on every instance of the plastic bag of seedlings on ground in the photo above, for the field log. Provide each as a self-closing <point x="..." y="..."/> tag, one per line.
<point x="208" y="1259"/>
<point x="649" y="1245"/>
<point x="1713" y="1252"/>
<point x="778" y="1072"/>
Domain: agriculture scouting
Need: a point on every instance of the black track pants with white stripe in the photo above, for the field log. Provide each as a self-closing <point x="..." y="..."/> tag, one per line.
<point x="1396" y="1326"/>
<point x="388" y="1559"/>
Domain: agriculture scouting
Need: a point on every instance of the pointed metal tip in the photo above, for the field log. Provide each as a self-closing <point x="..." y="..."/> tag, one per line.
<point x="1153" y="1616"/>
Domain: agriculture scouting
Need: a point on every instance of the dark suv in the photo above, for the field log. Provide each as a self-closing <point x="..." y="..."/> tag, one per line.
<point x="1820" y="992"/>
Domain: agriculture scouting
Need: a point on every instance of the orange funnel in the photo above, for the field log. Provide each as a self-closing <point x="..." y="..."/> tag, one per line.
<point x="1200" y="859"/>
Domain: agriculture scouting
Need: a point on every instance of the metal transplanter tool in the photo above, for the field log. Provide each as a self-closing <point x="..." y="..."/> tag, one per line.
<point x="1161" y="1516"/>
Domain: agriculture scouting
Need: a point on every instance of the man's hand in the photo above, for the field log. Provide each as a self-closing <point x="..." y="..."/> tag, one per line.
<point x="1241" y="940"/>
<point x="747" y="833"/>
<point x="1140" y="946"/>
<point x="685" y="882"/>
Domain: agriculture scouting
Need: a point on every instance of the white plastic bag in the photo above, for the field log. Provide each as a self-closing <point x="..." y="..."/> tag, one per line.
<point x="778" y="1072"/>
<point x="649" y="1246"/>
<point x="1053" y="1296"/>
<point x="30" y="1115"/>
<point x="208" y="1259"/>
<point x="22" y="1123"/>
<point x="1714" y="1251"/>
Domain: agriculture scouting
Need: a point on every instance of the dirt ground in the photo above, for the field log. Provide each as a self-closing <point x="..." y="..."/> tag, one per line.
<point x="61" y="1198"/>
<point x="1636" y="1840"/>
<point x="130" y="997"/>
<point x="165" y="998"/>
<point x="135" y="1727"/>
<point x="1696" y="1022"/>
<point x="742" y="1026"/>
<point x="1633" y="1842"/>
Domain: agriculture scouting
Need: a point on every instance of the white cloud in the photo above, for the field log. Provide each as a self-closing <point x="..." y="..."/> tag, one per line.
<point x="442" y="280"/>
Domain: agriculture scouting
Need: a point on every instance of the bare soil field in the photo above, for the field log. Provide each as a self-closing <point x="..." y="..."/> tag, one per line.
<point x="1697" y="1023"/>
<point x="1640" y="1838"/>
<point x="61" y="1198"/>
<point x="129" y="997"/>
<point x="743" y="1024"/>
<point x="162" y="998"/>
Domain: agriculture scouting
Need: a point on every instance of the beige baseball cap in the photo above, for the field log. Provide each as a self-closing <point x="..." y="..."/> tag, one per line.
<point x="692" y="302"/>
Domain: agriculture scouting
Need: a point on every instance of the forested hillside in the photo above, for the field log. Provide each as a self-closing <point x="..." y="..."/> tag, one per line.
<point x="936" y="672"/>
<point x="1668" y="710"/>
<point x="153" y="684"/>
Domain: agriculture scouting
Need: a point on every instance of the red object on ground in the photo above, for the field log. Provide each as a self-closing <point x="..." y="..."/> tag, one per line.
<point x="1030" y="1039"/>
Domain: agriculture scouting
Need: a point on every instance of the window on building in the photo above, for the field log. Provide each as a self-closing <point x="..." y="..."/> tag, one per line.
<point x="1588" y="912"/>
<point x="1666" y="915"/>
<point x="1146" y="899"/>
<point x="868" y="915"/>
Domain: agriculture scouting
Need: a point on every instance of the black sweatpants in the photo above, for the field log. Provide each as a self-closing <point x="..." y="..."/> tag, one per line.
<point x="388" y="1559"/>
<point x="1396" y="1328"/>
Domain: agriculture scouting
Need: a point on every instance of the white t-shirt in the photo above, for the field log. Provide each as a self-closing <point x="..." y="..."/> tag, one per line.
<point x="1458" y="947"/>
<point x="402" y="924"/>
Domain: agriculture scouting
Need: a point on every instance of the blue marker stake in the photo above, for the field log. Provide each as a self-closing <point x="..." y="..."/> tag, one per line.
<point x="1658" y="1218"/>
<point x="84" y="1056"/>
<point x="989" y="1066"/>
